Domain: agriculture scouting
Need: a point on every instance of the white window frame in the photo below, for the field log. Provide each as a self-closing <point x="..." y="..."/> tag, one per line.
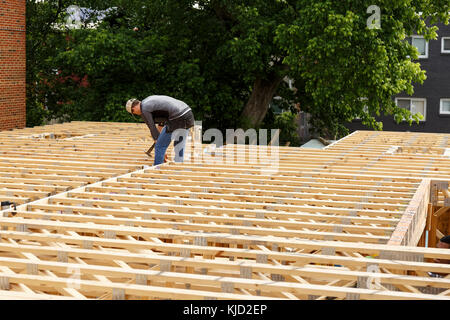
<point x="426" y="46"/>
<point x="442" y="45"/>
<point x="441" y="110"/>
<point x="418" y="99"/>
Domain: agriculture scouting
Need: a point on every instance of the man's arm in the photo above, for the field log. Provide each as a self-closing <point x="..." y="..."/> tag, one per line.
<point x="151" y="125"/>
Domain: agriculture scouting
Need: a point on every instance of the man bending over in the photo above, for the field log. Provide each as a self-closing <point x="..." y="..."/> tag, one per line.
<point x="177" y="116"/>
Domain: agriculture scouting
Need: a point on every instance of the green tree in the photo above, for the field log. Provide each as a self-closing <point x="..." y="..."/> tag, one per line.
<point x="45" y="39"/>
<point x="341" y="66"/>
<point x="166" y="55"/>
<point x="228" y="59"/>
<point x="40" y="45"/>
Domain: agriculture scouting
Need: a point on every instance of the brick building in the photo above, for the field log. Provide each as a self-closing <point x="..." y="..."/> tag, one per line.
<point x="12" y="64"/>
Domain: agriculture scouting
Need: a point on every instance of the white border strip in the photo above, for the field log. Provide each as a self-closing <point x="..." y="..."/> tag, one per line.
<point x="336" y="142"/>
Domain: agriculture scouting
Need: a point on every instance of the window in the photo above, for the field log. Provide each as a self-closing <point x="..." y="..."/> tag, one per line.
<point x="421" y="44"/>
<point x="414" y="105"/>
<point x="445" y="106"/>
<point x="445" y="45"/>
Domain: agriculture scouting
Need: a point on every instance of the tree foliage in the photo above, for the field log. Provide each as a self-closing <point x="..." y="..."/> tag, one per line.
<point x="343" y="66"/>
<point x="40" y="46"/>
<point x="228" y="59"/>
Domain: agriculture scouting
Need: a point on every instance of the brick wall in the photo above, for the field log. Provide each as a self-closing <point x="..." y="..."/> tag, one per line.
<point x="12" y="64"/>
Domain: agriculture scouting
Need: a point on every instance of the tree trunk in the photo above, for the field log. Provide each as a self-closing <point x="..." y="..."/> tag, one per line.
<point x="257" y="106"/>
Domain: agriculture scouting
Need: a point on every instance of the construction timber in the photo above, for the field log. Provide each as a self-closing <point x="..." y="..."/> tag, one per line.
<point x="95" y="220"/>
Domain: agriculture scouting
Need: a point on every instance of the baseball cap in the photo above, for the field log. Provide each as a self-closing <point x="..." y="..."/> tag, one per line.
<point x="129" y="104"/>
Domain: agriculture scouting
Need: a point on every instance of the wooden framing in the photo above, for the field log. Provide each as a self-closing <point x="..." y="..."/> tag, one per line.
<point x="412" y="224"/>
<point x="438" y="222"/>
<point x="96" y="221"/>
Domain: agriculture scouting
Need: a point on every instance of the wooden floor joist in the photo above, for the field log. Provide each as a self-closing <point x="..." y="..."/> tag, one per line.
<point x="95" y="220"/>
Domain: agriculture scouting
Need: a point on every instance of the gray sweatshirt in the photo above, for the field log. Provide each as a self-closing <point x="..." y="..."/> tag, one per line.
<point x="161" y="107"/>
